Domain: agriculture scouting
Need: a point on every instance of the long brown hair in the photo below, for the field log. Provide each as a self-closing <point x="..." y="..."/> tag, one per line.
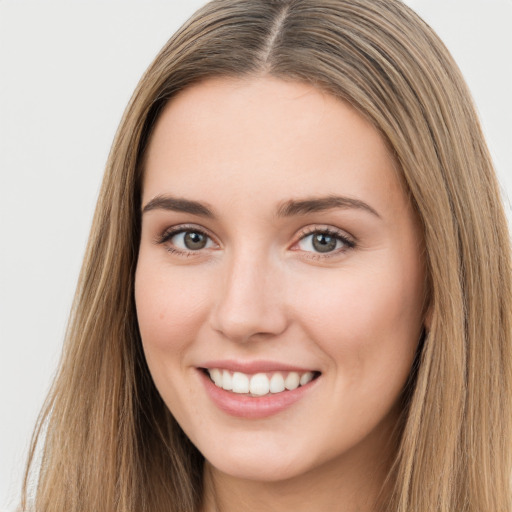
<point x="109" y="442"/>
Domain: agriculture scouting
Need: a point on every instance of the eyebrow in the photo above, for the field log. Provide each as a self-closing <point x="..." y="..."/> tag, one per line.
<point x="176" y="204"/>
<point x="320" y="204"/>
<point x="288" y="209"/>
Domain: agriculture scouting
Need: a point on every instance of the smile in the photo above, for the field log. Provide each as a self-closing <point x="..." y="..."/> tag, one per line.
<point x="256" y="389"/>
<point x="259" y="384"/>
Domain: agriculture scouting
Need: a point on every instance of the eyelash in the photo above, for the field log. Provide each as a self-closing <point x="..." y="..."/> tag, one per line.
<point x="172" y="232"/>
<point x="348" y="243"/>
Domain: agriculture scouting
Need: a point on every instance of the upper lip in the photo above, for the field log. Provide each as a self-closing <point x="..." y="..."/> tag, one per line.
<point x="251" y="367"/>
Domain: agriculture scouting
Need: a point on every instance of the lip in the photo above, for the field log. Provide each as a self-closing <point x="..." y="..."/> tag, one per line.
<point x="252" y="367"/>
<point x="248" y="407"/>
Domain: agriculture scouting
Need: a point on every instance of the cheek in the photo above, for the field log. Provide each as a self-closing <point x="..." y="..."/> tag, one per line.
<point x="171" y="306"/>
<point x="170" y="310"/>
<point x="367" y="320"/>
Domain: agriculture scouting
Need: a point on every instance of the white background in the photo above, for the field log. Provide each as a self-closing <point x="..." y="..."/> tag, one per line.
<point x="67" y="70"/>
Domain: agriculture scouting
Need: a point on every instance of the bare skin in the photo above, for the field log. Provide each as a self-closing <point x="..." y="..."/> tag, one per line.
<point x="275" y="231"/>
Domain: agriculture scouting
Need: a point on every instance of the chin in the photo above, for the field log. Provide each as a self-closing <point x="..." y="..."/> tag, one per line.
<point x="258" y="469"/>
<point x="258" y="462"/>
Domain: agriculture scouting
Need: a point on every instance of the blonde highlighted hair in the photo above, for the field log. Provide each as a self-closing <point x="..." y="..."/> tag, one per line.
<point x="108" y="441"/>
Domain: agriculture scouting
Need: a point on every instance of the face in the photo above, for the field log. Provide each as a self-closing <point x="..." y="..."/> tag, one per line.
<point x="280" y="284"/>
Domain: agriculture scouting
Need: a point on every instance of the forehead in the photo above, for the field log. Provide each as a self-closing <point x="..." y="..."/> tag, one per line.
<point x="238" y="138"/>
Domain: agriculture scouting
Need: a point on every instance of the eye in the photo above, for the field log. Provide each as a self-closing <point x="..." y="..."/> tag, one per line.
<point x="182" y="240"/>
<point x="190" y="240"/>
<point x="324" y="241"/>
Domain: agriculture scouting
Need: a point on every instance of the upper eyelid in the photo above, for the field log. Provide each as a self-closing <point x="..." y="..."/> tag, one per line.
<point x="325" y="229"/>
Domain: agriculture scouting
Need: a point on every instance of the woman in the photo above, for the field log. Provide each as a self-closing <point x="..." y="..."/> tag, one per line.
<point x="296" y="291"/>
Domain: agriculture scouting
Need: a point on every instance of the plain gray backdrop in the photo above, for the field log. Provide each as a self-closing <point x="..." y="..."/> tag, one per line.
<point x="67" y="70"/>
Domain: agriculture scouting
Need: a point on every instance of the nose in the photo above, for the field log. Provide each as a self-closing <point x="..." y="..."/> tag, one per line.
<point x="249" y="304"/>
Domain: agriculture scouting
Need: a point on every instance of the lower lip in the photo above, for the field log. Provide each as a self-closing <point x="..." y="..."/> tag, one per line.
<point x="248" y="407"/>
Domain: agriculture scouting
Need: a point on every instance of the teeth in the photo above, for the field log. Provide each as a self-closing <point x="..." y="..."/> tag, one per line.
<point x="227" y="381"/>
<point x="258" y="384"/>
<point x="292" y="381"/>
<point x="277" y="383"/>
<point x="240" y="383"/>
<point x="305" y="378"/>
<point x="216" y="376"/>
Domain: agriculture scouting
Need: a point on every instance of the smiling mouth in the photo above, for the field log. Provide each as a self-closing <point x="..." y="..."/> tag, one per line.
<point x="259" y="384"/>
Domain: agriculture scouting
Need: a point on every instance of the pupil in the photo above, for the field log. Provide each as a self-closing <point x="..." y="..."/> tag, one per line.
<point x="324" y="243"/>
<point x="194" y="241"/>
